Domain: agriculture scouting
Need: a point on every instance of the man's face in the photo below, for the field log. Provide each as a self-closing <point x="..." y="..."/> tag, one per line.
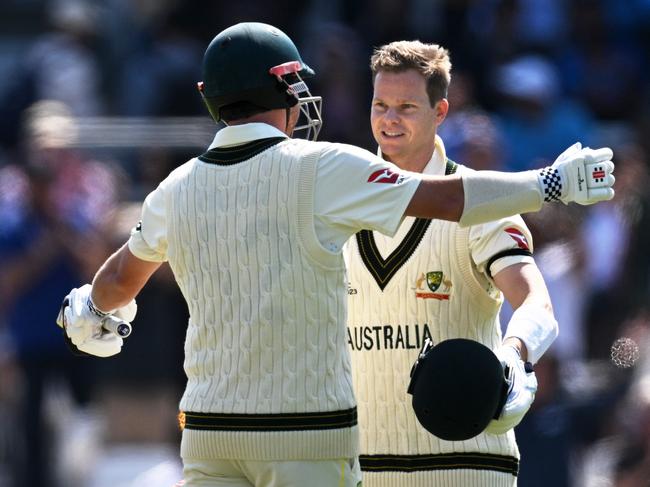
<point x="403" y="121"/>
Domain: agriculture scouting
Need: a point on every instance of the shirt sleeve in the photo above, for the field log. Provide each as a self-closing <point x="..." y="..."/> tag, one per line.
<point x="358" y="190"/>
<point x="500" y="244"/>
<point x="148" y="240"/>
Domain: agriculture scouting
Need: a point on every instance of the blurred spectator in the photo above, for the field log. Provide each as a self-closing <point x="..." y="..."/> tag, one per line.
<point x="340" y="62"/>
<point x="560" y="255"/>
<point x="470" y="133"/>
<point x="509" y="26"/>
<point x="563" y="420"/>
<point x="618" y="285"/>
<point x="537" y="121"/>
<point x="160" y="73"/>
<point x="602" y="68"/>
<point x="57" y="200"/>
<point x="622" y="457"/>
<point x="493" y="25"/>
<point x="60" y="65"/>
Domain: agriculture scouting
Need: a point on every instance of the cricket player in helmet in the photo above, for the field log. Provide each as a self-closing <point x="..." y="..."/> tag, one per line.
<point x="241" y="92"/>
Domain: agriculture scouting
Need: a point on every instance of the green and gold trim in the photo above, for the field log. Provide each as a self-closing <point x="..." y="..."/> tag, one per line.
<point x="441" y="461"/>
<point x="227" y="156"/>
<point x="268" y="422"/>
<point x="384" y="269"/>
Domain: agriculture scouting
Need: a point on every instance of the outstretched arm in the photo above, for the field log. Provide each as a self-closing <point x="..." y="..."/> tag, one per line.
<point x="578" y="175"/>
<point x="120" y="279"/>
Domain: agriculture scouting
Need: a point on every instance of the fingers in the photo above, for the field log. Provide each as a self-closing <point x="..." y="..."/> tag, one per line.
<point x="60" y="317"/>
<point x="106" y="345"/>
<point x="127" y="312"/>
<point x="600" y="179"/>
<point x="598" y="155"/>
<point x="600" y="194"/>
<point x="77" y="334"/>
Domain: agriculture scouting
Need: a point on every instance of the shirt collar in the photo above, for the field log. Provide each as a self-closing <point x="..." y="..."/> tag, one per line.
<point x="240" y="134"/>
<point x="437" y="165"/>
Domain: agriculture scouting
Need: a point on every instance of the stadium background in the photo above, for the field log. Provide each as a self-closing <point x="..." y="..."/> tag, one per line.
<point x="98" y="103"/>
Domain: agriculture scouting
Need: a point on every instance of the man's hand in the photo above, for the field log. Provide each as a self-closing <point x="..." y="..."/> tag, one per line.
<point x="82" y="324"/>
<point x="521" y="393"/>
<point x="580" y="175"/>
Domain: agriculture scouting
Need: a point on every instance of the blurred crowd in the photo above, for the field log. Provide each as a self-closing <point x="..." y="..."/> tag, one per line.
<point x="530" y="77"/>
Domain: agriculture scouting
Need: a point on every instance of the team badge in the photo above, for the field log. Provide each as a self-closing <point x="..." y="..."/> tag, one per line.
<point x="434" y="279"/>
<point x="439" y="287"/>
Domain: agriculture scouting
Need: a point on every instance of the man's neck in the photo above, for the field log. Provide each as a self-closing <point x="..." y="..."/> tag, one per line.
<point x="275" y="118"/>
<point x="413" y="162"/>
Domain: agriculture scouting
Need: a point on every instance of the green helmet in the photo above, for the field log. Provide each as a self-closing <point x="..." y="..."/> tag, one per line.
<point x="258" y="65"/>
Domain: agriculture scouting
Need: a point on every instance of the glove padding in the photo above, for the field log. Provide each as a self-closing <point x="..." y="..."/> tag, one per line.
<point x="521" y="392"/>
<point x="82" y="324"/>
<point x="586" y="174"/>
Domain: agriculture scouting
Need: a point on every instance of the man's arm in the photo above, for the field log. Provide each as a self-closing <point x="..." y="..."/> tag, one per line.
<point x="578" y="175"/>
<point x="530" y="332"/>
<point x="120" y="279"/>
<point x="442" y="198"/>
<point x="523" y="284"/>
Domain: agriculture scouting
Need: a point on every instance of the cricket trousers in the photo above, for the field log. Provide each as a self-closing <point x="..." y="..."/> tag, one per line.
<point x="244" y="473"/>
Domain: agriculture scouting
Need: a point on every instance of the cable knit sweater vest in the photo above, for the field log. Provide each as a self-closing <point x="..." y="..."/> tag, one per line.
<point x="265" y="353"/>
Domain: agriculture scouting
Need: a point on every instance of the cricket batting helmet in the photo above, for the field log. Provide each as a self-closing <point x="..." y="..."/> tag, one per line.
<point x="458" y="387"/>
<point x="258" y="67"/>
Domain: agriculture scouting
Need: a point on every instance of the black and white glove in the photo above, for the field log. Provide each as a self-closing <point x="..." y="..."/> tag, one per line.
<point x="521" y="392"/>
<point x="583" y="176"/>
<point x="84" y="326"/>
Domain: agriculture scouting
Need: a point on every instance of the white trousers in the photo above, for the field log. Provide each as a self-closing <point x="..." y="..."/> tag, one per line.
<point x="242" y="473"/>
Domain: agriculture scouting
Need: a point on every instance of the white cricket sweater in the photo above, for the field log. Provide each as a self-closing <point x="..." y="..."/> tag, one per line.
<point x="266" y="340"/>
<point x="431" y="288"/>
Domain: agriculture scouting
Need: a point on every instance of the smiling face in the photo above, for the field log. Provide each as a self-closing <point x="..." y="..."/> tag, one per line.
<point x="403" y="121"/>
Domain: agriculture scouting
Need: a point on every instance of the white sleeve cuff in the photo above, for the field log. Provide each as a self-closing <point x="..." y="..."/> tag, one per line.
<point x="535" y="326"/>
<point x="508" y="260"/>
<point x="490" y="195"/>
<point x="141" y="250"/>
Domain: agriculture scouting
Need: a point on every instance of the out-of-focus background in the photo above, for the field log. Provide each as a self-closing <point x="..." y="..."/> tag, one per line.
<point x="98" y="103"/>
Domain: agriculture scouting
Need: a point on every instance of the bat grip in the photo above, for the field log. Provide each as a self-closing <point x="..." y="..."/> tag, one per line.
<point x="117" y="326"/>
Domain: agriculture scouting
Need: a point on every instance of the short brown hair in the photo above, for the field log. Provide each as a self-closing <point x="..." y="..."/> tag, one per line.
<point x="430" y="60"/>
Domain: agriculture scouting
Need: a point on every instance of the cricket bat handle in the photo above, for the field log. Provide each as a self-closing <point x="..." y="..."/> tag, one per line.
<point x="117" y="326"/>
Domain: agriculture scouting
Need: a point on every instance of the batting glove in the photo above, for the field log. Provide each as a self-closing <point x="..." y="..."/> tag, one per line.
<point x="580" y="175"/>
<point x="521" y="392"/>
<point x="82" y="324"/>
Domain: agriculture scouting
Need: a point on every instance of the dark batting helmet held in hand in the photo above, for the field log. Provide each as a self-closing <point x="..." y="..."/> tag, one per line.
<point x="255" y="65"/>
<point x="458" y="387"/>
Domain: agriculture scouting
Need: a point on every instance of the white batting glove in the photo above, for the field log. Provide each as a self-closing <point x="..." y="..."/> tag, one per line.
<point x="580" y="175"/>
<point x="82" y="323"/>
<point x="521" y="393"/>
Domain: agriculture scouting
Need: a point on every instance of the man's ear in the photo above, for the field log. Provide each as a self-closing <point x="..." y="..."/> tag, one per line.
<point x="442" y="107"/>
